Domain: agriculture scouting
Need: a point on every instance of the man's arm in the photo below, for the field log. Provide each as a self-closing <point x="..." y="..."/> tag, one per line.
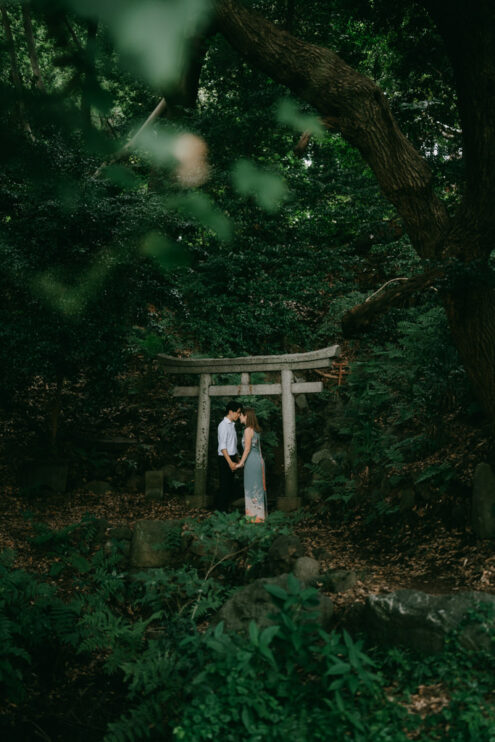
<point x="228" y="459"/>
<point x="222" y="445"/>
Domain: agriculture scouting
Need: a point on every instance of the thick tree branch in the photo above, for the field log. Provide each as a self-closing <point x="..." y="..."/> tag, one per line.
<point x="124" y="151"/>
<point x="33" y="55"/>
<point x="352" y="104"/>
<point x="15" y="72"/>
<point x="361" y="316"/>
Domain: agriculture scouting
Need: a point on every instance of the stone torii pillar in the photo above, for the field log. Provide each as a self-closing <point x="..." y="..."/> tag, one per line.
<point x="288" y="388"/>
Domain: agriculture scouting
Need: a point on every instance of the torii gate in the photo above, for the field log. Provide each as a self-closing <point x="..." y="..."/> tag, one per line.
<point x="285" y="364"/>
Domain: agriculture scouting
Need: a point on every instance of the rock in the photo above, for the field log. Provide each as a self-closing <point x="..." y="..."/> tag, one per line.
<point x="254" y="603"/>
<point x="283" y="553"/>
<point x="98" y="487"/>
<point x="306" y="570"/>
<point x="339" y="580"/>
<point x="156" y="543"/>
<point x="422" y="622"/>
<point x="483" y="511"/>
<point x="153" y="484"/>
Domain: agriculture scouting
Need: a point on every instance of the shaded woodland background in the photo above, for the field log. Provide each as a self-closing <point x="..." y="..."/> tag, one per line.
<point x="250" y="216"/>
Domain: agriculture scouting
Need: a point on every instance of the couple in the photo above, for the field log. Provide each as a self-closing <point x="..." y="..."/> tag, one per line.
<point x="251" y="461"/>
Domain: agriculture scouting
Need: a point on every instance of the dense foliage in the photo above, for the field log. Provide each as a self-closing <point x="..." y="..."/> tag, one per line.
<point x="235" y="223"/>
<point x="159" y="677"/>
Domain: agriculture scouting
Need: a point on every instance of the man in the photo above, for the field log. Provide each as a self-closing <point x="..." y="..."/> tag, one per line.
<point x="228" y="455"/>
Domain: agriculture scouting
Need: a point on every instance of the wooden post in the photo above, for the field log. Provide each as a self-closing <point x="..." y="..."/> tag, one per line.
<point x="202" y="435"/>
<point x="291" y="501"/>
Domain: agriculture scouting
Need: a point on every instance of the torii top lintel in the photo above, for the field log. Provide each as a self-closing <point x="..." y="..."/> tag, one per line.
<point x="322" y="358"/>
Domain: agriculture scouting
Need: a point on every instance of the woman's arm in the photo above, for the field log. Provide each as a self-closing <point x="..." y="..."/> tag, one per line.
<point x="248" y="438"/>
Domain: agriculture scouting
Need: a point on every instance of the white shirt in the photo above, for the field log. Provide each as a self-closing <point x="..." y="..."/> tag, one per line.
<point x="227" y="437"/>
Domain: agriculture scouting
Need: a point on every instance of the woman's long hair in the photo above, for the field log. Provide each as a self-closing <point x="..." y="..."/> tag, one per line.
<point x="251" y="419"/>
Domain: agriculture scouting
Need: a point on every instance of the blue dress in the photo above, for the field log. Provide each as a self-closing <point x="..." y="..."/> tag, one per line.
<point x="254" y="481"/>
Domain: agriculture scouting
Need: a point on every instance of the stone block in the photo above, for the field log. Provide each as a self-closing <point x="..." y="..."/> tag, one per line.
<point x="155" y="543"/>
<point x="153" y="484"/>
<point x="306" y="570"/>
<point x="254" y="603"/>
<point x="422" y="622"/>
<point x="483" y="510"/>
<point x="339" y="580"/>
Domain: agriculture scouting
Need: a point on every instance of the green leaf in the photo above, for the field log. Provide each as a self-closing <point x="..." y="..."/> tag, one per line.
<point x="340" y="668"/>
<point x="288" y="113"/>
<point x="276" y="591"/>
<point x="253" y="633"/>
<point x="267" y="189"/>
<point x="80" y="563"/>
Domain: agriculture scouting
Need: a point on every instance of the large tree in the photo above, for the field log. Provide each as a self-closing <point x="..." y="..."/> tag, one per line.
<point x="455" y="247"/>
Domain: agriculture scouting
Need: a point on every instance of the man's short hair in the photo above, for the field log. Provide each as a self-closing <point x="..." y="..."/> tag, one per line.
<point x="232" y="406"/>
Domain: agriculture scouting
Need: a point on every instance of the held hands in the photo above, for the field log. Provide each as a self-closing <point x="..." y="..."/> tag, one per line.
<point x="238" y="466"/>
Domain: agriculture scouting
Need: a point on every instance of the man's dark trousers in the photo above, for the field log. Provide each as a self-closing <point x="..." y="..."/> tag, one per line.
<point x="227" y="488"/>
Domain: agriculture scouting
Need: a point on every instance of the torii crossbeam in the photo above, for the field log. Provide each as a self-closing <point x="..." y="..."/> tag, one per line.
<point x="287" y="388"/>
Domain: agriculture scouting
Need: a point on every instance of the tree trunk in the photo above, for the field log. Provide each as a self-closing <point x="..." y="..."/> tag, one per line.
<point x="89" y="75"/>
<point x="33" y="56"/>
<point x="55" y="414"/>
<point x="471" y="314"/>
<point x="16" y="75"/>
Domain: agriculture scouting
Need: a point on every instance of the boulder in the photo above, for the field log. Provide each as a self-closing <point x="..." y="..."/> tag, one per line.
<point x="306" y="570"/>
<point x="254" y="603"/>
<point x="483" y="511"/>
<point x="422" y="622"/>
<point x="153" y="484"/>
<point x="339" y="580"/>
<point x="283" y="553"/>
<point x="156" y="543"/>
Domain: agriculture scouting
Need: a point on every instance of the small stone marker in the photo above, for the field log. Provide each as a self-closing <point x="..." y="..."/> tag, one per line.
<point x="483" y="512"/>
<point x="154" y="543"/>
<point x="153" y="484"/>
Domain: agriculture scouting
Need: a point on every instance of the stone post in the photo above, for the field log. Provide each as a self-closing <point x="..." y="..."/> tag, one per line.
<point x="202" y="435"/>
<point x="290" y="501"/>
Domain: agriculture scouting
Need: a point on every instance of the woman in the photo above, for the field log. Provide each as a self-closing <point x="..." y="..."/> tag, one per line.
<point x="254" y="467"/>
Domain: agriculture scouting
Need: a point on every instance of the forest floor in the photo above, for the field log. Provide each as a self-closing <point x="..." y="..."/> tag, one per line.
<point x="414" y="551"/>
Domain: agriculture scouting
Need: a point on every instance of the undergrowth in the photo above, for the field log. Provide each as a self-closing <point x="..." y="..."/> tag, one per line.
<point x="182" y="680"/>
